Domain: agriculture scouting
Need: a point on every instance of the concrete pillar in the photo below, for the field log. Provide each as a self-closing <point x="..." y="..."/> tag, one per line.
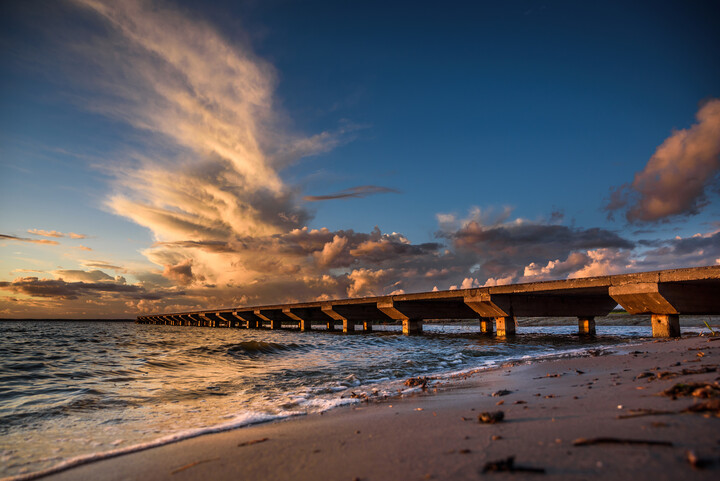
<point x="348" y="326"/>
<point x="487" y="326"/>
<point x="586" y="325"/>
<point x="367" y="326"/>
<point x="330" y="326"/>
<point x="275" y="324"/>
<point x="665" y="325"/>
<point x="505" y="326"/>
<point x="412" y="326"/>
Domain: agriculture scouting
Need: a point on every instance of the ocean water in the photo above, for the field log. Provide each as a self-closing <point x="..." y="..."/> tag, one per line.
<point x="71" y="391"/>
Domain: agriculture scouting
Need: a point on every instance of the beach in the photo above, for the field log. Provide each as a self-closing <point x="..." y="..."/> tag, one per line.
<point x="548" y="408"/>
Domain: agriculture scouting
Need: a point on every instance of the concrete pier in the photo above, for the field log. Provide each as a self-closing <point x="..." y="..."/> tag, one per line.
<point x="586" y="325"/>
<point x="665" y="295"/>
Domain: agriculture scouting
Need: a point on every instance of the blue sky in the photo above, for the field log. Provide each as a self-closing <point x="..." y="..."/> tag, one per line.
<point x="184" y="145"/>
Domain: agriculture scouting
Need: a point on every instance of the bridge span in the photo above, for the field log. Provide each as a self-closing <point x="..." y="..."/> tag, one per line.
<point x="665" y="295"/>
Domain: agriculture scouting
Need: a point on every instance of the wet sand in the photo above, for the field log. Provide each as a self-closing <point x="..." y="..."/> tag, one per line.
<point x="437" y="435"/>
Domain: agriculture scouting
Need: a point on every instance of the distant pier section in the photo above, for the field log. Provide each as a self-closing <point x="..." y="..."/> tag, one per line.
<point x="665" y="295"/>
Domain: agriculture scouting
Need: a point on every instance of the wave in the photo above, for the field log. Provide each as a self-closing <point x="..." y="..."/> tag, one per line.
<point x="243" y="420"/>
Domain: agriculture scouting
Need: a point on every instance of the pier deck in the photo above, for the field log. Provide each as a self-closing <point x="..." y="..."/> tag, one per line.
<point x="664" y="294"/>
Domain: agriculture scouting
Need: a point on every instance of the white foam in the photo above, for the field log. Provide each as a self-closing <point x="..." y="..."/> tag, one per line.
<point x="242" y="420"/>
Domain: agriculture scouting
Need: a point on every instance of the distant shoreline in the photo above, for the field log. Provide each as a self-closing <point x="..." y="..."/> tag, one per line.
<point x="613" y="319"/>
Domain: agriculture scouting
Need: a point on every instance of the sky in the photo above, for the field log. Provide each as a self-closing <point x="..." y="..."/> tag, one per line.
<point x="160" y="156"/>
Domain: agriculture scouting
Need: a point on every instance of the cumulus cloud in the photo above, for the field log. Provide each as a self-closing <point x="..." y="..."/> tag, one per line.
<point x="506" y="250"/>
<point x="352" y="193"/>
<point x="366" y="282"/>
<point x="26" y="239"/>
<point x="679" y="175"/>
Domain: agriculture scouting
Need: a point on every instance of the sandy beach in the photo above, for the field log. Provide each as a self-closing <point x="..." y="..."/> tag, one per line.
<point x="601" y="416"/>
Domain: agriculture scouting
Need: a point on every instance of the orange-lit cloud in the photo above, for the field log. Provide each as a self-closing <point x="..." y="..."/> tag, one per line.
<point x="678" y="176"/>
<point x="227" y="229"/>
<point x="54" y="233"/>
<point x="25" y="239"/>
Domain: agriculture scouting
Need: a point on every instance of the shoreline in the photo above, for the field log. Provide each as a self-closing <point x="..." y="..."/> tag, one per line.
<point x="437" y="435"/>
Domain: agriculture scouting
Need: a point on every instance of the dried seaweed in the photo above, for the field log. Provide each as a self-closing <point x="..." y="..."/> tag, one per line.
<point x="508" y="465"/>
<point x="491" y="417"/>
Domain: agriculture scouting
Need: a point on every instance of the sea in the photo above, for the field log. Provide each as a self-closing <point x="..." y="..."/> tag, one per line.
<point x="75" y="391"/>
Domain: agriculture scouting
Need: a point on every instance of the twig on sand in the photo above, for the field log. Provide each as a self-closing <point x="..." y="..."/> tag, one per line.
<point x="187" y="466"/>
<point x="508" y="464"/>
<point x="636" y="413"/>
<point x="593" y="441"/>
<point x="254" y="441"/>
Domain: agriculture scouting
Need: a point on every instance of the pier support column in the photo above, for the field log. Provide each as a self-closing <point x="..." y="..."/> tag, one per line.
<point x="586" y="326"/>
<point x="304" y="324"/>
<point x="348" y="326"/>
<point x="486" y="326"/>
<point x="665" y="325"/>
<point x="412" y="326"/>
<point x="367" y="326"/>
<point x="505" y="326"/>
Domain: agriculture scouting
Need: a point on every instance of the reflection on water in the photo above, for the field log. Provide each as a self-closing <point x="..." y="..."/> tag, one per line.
<point x="70" y="388"/>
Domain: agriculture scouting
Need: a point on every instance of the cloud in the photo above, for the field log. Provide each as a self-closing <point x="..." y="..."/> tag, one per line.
<point x="365" y="282"/>
<point x="204" y="176"/>
<point x="103" y="265"/>
<point x="678" y="176"/>
<point x="505" y="250"/>
<point x="54" y="233"/>
<point x="25" y="239"/>
<point x="353" y="192"/>
<point x="181" y="272"/>
<point x="61" y="289"/>
<point x="82" y="276"/>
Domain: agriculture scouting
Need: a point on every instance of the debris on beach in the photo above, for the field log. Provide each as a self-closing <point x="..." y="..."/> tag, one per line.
<point x="694" y="389"/>
<point x="551" y="375"/>
<point x="700" y="370"/>
<point x="696" y="461"/>
<point x="508" y="465"/>
<point x="254" y="441"/>
<point x="594" y="441"/>
<point x="362" y="396"/>
<point x="421" y="381"/>
<point x="188" y="466"/>
<point x="502" y="392"/>
<point x="711" y="406"/>
<point x="491" y="417"/>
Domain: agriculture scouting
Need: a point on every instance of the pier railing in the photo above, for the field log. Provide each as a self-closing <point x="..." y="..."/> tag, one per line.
<point x="663" y="294"/>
